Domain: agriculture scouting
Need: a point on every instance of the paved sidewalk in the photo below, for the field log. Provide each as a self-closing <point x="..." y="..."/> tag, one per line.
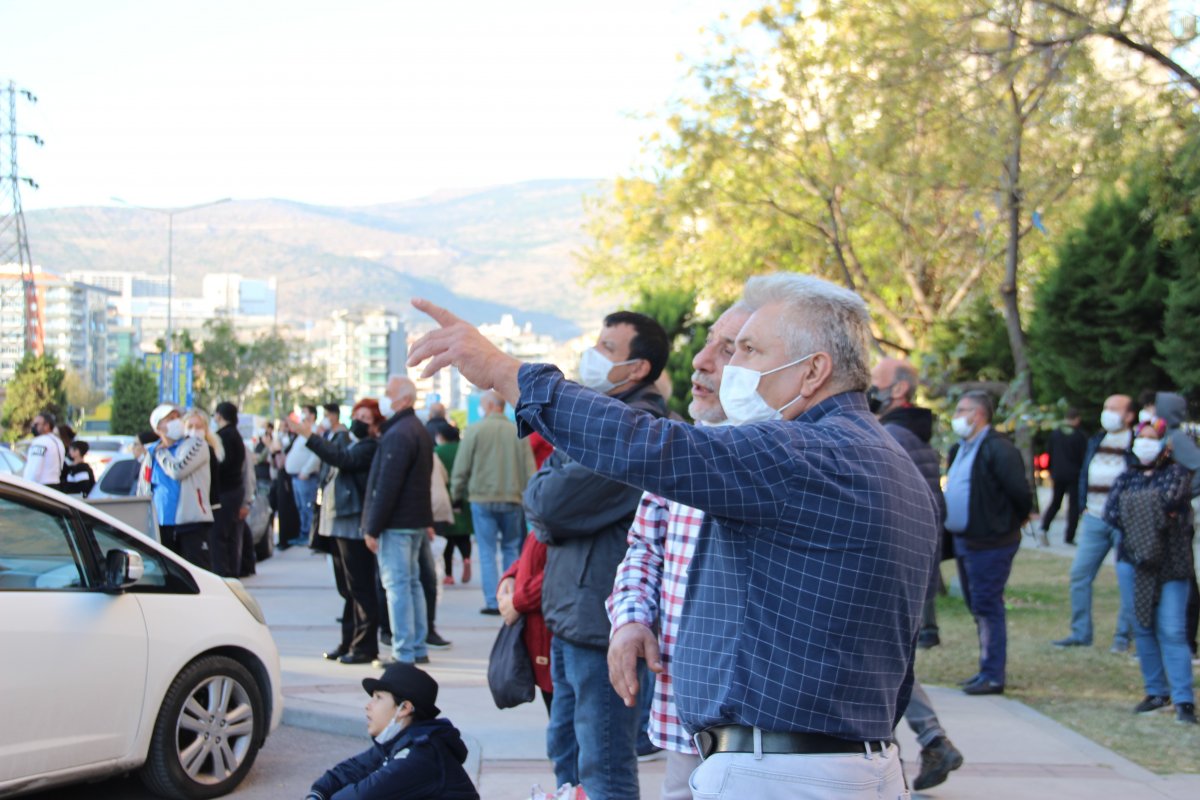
<point x="1010" y="750"/>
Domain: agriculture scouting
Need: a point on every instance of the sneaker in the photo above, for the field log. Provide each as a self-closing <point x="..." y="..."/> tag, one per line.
<point x="938" y="760"/>
<point x="983" y="686"/>
<point x="448" y="580"/>
<point x="491" y="612"/>
<point x="383" y="661"/>
<point x="1185" y="713"/>
<point x="1151" y="704"/>
<point x="1070" y="641"/>
<point x="436" y="641"/>
<point x="1042" y="539"/>
<point x="648" y="752"/>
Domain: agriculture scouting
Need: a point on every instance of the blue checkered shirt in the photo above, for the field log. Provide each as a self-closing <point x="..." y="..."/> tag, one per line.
<point x="805" y="592"/>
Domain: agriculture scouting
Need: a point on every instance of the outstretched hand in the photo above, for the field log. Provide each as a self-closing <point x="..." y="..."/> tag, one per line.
<point x="459" y="343"/>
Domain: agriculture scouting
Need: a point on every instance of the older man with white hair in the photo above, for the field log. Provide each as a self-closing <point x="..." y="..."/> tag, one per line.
<point x="810" y="572"/>
<point x="397" y="512"/>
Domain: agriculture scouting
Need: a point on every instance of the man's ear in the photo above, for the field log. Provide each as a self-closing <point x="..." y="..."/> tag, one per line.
<point x="640" y="370"/>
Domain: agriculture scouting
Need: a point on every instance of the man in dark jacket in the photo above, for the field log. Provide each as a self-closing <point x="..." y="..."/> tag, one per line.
<point x="583" y="519"/>
<point x="414" y="755"/>
<point x="228" y="529"/>
<point x="1066" y="447"/>
<point x="397" y="512"/>
<point x="987" y="500"/>
<point x="893" y="387"/>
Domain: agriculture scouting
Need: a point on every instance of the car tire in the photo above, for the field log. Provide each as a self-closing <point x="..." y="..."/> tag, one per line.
<point x="265" y="548"/>
<point x="208" y="732"/>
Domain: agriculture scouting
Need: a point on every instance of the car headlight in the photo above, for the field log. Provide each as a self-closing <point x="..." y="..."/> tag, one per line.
<point x="247" y="599"/>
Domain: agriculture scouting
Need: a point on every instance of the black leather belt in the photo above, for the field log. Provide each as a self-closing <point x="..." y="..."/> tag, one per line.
<point x="740" y="739"/>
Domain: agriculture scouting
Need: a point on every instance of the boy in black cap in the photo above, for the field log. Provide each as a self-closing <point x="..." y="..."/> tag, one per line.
<point x="414" y="755"/>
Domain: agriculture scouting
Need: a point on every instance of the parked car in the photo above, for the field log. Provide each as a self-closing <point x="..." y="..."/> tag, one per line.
<point x="123" y="657"/>
<point x="11" y="462"/>
<point x="102" y="449"/>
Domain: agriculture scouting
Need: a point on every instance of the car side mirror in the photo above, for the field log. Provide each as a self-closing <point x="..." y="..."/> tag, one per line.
<point x="122" y="569"/>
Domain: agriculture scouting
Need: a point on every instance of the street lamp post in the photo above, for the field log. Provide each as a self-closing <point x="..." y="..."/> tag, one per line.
<point x="171" y="212"/>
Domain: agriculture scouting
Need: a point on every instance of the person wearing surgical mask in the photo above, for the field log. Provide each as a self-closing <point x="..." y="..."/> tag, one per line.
<point x="414" y="753"/>
<point x="988" y="499"/>
<point x="180" y="484"/>
<point x="583" y="519"/>
<point x="1149" y="505"/>
<point x="1109" y="453"/>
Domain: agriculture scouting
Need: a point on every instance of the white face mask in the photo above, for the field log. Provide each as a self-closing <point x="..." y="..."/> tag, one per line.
<point x="741" y="400"/>
<point x="961" y="427"/>
<point x="385" y="406"/>
<point x="1147" y="450"/>
<point x="175" y="430"/>
<point x="594" y="368"/>
<point x="1111" y="421"/>
<point x="1146" y="416"/>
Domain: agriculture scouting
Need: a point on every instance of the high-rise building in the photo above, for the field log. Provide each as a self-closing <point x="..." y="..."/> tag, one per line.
<point x="73" y="317"/>
<point x="364" y="347"/>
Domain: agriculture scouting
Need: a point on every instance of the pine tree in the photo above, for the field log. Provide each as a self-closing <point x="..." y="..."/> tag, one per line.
<point x="135" y="394"/>
<point x="1099" y="311"/>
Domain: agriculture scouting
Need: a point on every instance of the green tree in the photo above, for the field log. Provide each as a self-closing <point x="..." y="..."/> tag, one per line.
<point x="82" y="396"/>
<point x="224" y="365"/>
<point x="36" y="385"/>
<point x="675" y="310"/>
<point x="970" y="347"/>
<point x="1099" y="312"/>
<point x="135" y="394"/>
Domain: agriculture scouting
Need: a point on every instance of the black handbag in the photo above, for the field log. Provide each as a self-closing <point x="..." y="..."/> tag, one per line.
<point x="510" y="672"/>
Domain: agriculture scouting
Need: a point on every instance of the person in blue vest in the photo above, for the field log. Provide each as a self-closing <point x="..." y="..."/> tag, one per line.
<point x="176" y="471"/>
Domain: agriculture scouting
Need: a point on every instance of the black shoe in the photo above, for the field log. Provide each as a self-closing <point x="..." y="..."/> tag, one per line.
<point x="938" y="760"/>
<point x="357" y="658"/>
<point x="1152" y="703"/>
<point x="491" y="612"/>
<point x="983" y="686"/>
<point x="435" y="641"/>
<point x="335" y="653"/>
<point x="973" y="679"/>
<point x="1071" y="641"/>
<point x="422" y="659"/>
<point x="928" y="640"/>
<point x="1185" y="713"/>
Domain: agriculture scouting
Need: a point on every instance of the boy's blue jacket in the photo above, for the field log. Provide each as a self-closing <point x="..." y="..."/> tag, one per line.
<point x="425" y="760"/>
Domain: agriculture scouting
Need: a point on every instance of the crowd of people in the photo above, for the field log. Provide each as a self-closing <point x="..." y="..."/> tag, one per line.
<point x="745" y="594"/>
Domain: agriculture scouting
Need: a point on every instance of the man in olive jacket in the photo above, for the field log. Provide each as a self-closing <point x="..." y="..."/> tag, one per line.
<point x="491" y="470"/>
<point x="397" y="511"/>
<point x="987" y="500"/>
<point x="584" y="520"/>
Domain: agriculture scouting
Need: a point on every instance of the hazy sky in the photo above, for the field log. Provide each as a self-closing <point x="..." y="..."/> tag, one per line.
<point x="352" y="102"/>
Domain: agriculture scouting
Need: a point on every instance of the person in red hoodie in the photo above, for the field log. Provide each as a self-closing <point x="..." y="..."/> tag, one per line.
<point x="520" y="593"/>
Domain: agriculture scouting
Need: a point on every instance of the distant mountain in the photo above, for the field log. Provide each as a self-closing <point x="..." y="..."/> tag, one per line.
<point x="482" y="253"/>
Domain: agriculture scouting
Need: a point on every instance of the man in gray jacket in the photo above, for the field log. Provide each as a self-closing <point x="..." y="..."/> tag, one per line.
<point x="583" y="518"/>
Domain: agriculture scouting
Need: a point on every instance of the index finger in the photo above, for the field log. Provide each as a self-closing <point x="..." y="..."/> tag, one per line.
<point x="440" y="315"/>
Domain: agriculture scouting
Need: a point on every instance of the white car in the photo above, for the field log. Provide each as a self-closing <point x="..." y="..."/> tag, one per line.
<point x="120" y="656"/>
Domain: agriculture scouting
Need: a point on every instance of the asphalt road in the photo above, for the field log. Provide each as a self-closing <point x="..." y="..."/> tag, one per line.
<point x="285" y="768"/>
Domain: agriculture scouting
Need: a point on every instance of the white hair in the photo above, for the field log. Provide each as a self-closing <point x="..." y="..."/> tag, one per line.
<point x="407" y="387"/>
<point x="821" y="318"/>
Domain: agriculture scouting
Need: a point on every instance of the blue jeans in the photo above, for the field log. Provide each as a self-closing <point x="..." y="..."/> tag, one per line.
<point x="497" y="527"/>
<point x="987" y="573"/>
<point x="306" y="497"/>
<point x="1163" y="652"/>
<point x="591" y="734"/>
<point x="399" y="568"/>
<point x="1096" y="538"/>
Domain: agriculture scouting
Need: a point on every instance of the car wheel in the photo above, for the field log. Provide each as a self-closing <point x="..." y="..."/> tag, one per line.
<point x="265" y="547"/>
<point x="208" y="731"/>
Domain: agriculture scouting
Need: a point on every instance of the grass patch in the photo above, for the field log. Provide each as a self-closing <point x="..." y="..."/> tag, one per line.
<point x="1087" y="689"/>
